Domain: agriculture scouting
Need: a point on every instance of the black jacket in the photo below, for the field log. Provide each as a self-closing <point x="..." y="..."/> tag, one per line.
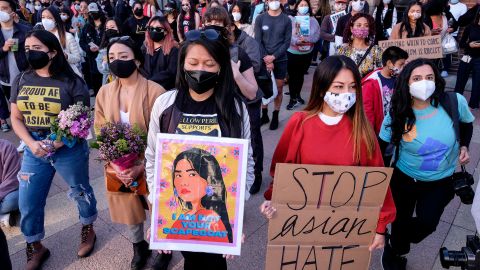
<point x="162" y="68"/>
<point x="19" y="31"/>
<point x="90" y="34"/>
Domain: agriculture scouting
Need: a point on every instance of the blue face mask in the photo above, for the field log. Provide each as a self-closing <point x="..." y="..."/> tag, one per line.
<point x="303" y="10"/>
<point x="454" y="2"/>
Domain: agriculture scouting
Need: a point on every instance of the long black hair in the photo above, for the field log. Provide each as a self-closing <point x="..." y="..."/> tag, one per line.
<point x="382" y="25"/>
<point x="401" y="112"/>
<point x="208" y="168"/>
<point x="228" y="105"/>
<point x="419" y="26"/>
<point x="59" y="24"/>
<point x="59" y="67"/>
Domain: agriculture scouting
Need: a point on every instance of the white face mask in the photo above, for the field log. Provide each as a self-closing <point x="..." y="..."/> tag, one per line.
<point x="386" y="2"/>
<point x="454" y="2"/>
<point x="236" y="16"/>
<point x="357" y="6"/>
<point x="64" y="17"/>
<point x="340" y="103"/>
<point x="303" y="10"/>
<point x="422" y="89"/>
<point x="274" y="5"/>
<point x="48" y="24"/>
<point x="38" y="7"/>
<point x="4" y="16"/>
<point x="416" y="15"/>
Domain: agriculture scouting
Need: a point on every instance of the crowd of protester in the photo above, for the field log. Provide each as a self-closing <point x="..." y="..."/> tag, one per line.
<point x="229" y="61"/>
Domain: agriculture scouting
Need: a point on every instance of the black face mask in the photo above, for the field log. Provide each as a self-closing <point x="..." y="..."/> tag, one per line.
<point x="45" y="5"/>
<point x="37" y="59"/>
<point x="138" y="12"/>
<point x="121" y="68"/>
<point x="201" y="81"/>
<point x="156" y="36"/>
<point x="110" y="33"/>
<point x="95" y="15"/>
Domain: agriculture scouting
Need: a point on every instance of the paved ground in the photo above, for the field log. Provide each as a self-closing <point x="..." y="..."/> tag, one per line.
<point x="114" y="251"/>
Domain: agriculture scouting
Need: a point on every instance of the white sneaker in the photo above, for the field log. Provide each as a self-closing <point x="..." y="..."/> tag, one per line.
<point x="21" y="147"/>
<point x="5" y="220"/>
<point x="444" y="74"/>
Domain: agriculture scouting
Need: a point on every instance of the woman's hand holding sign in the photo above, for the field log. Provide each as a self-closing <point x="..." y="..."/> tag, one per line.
<point x="267" y="209"/>
<point x="378" y="242"/>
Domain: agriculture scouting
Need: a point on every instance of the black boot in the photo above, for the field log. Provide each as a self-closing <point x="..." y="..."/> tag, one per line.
<point x="391" y="260"/>
<point x="161" y="261"/>
<point x="274" y="123"/>
<point x="255" y="188"/>
<point x="264" y="118"/>
<point x="140" y="255"/>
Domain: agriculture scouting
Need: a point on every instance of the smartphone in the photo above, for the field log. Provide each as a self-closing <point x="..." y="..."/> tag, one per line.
<point x="92" y="45"/>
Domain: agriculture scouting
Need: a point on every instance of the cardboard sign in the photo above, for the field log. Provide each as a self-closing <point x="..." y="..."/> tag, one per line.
<point x="199" y="193"/>
<point x="422" y="47"/>
<point x="326" y="216"/>
<point x="334" y="18"/>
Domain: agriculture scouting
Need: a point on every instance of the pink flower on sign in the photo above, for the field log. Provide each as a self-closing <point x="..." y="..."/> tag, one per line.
<point x="225" y="170"/>
<point x="213" y="150"/>
<point x="232" y="190"/>
<point x="164" y="184"/>
<point x="161" y="221"/>
<point x="172" y="204"/>
<point x="236" y="153"/>
<point x="232" y="223"/>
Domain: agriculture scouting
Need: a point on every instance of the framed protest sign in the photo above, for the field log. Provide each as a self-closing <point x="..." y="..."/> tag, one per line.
<point x="326" y="216"/>
<point x="422" y="47"/>
<point x="199" y="193"/>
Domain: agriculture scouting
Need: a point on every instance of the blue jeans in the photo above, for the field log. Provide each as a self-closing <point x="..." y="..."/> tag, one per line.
<point x="9" y="203"/>
<point x="35" y="178"/>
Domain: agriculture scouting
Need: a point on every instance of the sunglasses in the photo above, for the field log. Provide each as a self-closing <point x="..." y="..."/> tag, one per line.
<point x="210" y="34"/>
<point x="122" y="38"/>
<point x="156" y="29"/>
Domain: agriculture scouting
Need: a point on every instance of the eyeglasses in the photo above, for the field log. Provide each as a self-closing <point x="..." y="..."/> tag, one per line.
<point x="122" y="38"/>
<point x="210" y="34"/>
<point x="155" y="29"/>
<point x="187" y="5"/>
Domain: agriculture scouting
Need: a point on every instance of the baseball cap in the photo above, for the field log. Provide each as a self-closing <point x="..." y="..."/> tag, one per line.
<point x="341" y="1"/>
<point x="93" y="7"/>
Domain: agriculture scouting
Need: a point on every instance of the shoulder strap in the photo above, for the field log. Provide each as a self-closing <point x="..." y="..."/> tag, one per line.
<point x="365" y="55"/>
<point x="449" y="103"/>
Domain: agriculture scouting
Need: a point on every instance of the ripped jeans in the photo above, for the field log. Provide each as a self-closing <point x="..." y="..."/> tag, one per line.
<point x="35" y="178"/>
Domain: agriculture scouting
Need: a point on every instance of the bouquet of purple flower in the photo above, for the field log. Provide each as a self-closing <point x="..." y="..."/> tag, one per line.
<point x="72" y="124"/>
<point x="120" y="144"/>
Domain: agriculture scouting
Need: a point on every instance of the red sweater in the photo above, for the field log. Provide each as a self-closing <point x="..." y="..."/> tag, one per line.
<point x="302" y="140"/>
<point x="372" y="99"/>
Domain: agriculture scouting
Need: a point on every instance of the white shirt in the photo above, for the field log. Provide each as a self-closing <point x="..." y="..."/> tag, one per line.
<point x="457" y="10"/>
<point x="330" y="120"/>
<point x="124" y="117"/>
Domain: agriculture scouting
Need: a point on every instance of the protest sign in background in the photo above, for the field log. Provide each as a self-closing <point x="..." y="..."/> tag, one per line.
<point x="326" y="216"/>
<point x="199" y="194"/>
<point x="423" y="47"/>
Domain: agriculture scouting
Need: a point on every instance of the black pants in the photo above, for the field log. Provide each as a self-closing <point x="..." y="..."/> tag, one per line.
<point x="4" y="97"/>
<point x="297" y="66"/>
<point x="464" y="70"/>
<point x="254" y="110"/>
<point x="427" y="199"/>
<point x="199" y="260"/>
<point x="4" y="257"/>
